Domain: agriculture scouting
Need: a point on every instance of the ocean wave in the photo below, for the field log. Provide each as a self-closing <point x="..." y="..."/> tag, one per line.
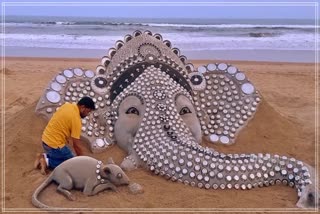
<point x="182" y="41"/>
<point x="57" y="23"/>
<point x="262" y="34"/>
<point x="232" y="26"/>
<point x="171" y="25"/>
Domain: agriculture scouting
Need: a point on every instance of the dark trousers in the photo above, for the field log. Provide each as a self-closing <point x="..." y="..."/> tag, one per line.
<point x="57" y="156"/>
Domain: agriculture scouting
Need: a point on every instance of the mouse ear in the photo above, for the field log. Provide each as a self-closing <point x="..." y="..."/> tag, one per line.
<point x="110" y="161"/>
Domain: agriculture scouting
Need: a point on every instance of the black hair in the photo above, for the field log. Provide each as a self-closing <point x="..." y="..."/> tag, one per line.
<point x="87" y="102"/>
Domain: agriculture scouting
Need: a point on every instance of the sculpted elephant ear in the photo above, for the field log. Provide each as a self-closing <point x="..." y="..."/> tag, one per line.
<point x="71" y="85"/>
<point x="225" y="100"/>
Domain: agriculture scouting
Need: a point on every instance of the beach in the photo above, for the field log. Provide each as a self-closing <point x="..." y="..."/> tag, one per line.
<point x="284" y="124"/>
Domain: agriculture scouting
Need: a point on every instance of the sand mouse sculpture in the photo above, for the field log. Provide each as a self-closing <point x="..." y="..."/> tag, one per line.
<point x="157" y="107"/>
<point x="85" y="173"/>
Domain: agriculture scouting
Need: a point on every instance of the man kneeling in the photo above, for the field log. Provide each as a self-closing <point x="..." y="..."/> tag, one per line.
<point x="64" y="124"/>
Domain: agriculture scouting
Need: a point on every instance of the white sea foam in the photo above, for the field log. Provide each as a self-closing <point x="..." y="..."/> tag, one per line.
<point x="230" y="26"/>
<point x="183" y="41"/>
<point x="203" y="36"/>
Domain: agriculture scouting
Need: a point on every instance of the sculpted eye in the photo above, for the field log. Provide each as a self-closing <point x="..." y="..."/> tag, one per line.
<point x="184" y="110"/>
<point x="119" y="175"/>
<point x="132" y="110"/>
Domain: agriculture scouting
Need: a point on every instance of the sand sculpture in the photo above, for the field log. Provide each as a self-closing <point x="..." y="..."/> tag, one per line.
<point x="85" y="173"/>
<point x="156" y="106"/>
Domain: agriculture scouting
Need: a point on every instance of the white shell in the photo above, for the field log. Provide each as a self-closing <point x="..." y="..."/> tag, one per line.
<point x="212" y="67"/>
<point x="56" y="86"/>
<point x="106" y="141"/>
<point x="89" y="73"/>
<point x="222" y="66"/>
<point x="202" y="69"/>
<point x="224" y="139"/>
<point x="240" y="76"/>
<point x="232" y="70"/>
<point x="78" y="72"/>
<point x="53" y="97"/>
<point x="104" y="59"/>
<point x="68" y="73"/>
<point x="214" y="138"/>
<point x="247" y="88"/>
<point x="100" y="142"/>
<point x="100" y="68"/>
<point x="61" y="79"/>
<point x="49" y="110"/>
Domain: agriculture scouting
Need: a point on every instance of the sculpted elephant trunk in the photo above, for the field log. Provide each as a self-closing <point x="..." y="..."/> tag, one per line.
<point x="168" y="149"/>
<point x="204" y="168"/>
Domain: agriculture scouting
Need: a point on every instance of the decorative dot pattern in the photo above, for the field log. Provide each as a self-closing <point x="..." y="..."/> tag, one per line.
<point x="225" y="101"/>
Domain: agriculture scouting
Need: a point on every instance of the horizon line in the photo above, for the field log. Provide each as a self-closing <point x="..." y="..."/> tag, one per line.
<point x="226" y="18"/>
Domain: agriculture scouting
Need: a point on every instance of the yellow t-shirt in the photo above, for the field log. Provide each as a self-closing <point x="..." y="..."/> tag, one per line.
<point x="64" y="123"/>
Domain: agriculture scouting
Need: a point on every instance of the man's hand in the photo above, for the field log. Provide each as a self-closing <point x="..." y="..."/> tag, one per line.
<point x="77" y="146"/>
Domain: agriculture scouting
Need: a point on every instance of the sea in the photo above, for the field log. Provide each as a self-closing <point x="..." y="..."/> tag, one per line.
<point x="229" y="39"/>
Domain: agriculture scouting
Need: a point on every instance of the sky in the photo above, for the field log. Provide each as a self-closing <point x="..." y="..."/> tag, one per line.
<point x="150" y="9"/>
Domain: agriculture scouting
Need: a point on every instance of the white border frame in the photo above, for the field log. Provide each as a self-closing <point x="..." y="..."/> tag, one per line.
<point x="171" y="4"/>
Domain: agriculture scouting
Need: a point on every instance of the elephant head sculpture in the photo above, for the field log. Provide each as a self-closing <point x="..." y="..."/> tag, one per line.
<point x="157" y="107"/>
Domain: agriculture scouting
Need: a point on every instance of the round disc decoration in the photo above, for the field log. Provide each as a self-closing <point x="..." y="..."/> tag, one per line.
<point x="224" y="139"/>
<point x="147" y="49"/>
<point x="240" y="76"/>
<point x="61" y="79"/>
<point x="89" y="73"/>
<point x="214" y="138"/>
<point x="247" y="88"/>
<point x="232" y="70"/>
<point x="161" y="107"/>
<point x="222" y="66"/>
<point x="68" y="73"/>
<point x="159" y="94"/>
<point x="99" y="142"/>
<point x="197" y="81"/>
<point x="212" y="67"/>
<point x="202" y="69"/>
<point x="78" y="72"/>
<point x="56" y="86"/>
<point x="99" y="84"/>
<point x="53" y="96"/>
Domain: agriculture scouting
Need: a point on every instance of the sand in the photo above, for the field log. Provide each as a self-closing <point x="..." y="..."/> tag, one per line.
<point x="284" y="124"/>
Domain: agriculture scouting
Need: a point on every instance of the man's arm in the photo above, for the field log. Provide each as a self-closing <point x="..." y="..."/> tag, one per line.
<point x="77" y="146"/>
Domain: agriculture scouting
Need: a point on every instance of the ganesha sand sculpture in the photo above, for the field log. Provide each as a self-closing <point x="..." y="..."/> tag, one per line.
<point x="82" y="172"/>
<point x="156" y="106"/>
